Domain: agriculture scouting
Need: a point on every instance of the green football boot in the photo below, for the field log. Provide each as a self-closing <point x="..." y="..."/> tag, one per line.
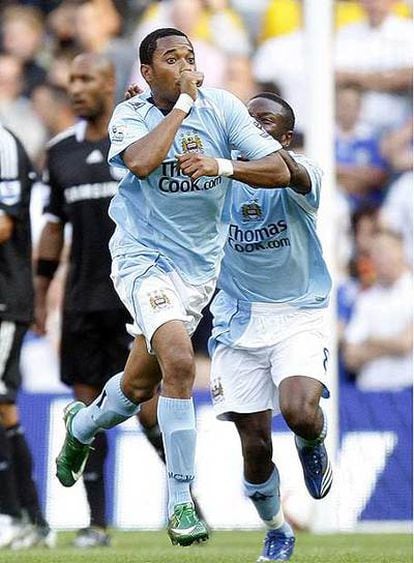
<point x="72" y="458"/>
<point x="185" y="527"/>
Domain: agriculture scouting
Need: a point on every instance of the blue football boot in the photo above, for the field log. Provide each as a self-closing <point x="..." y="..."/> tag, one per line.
<point x="277" y="546"/>
<point x="317" y="469"/>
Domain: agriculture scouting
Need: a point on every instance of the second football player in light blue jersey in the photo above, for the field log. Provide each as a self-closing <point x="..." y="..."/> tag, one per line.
<point x="175" y="144"/>
<point x="269" y="344"/>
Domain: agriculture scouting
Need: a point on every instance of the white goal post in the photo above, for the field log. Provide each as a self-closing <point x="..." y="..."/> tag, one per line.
<point x="319" y="138"/>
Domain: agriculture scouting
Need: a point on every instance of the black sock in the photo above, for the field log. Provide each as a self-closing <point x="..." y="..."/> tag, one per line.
<point x="94" y="480"/>
<point x="154" y="437"/>
<point x="23" y="470"/>
<point x="9" y="499"/>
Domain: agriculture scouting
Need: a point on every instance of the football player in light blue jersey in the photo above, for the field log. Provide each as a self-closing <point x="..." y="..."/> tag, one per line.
<point x="269" y="342"/>
<point x="174" y="142"/>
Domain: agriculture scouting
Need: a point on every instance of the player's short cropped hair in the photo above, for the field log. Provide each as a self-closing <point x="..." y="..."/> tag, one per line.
<point x="149" y="43"/>
<point x="289" y="114"/>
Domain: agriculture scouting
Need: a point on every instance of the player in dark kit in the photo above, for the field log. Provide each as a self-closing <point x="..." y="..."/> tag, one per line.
<point x="17" y="488"/>
<point x="94" y="343"/>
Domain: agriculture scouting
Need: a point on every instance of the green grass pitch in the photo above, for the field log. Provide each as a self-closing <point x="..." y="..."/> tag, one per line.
<point x="224" y="547"/>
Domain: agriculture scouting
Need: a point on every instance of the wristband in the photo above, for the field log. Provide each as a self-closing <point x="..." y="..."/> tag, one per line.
<point x="46" y="268"/>
<point x="225" y="167"/>
<point x="185" y="102"/>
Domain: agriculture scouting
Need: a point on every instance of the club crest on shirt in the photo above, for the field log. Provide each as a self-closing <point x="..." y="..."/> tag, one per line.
<point x="118" y="133"/>
<point x="191" y="142"/>
<point x="217" y="391"/>
<point x="159" y="300"/>
<point x="251" y="211"/>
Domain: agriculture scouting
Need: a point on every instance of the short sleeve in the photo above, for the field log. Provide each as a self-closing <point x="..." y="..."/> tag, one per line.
<point x="125" y="128"/>
<point x="244" y="133"/>
<point x="315" y="173"/>
<point x="16" y="174"/>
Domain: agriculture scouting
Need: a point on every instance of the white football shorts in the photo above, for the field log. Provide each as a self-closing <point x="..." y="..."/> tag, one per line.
<point x="246" y="380"/>
<point x="154" y="296"/>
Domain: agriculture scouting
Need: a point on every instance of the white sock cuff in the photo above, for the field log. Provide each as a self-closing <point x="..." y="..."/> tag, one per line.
<point x="277" y="520"/>
<point x="170" y="403"/>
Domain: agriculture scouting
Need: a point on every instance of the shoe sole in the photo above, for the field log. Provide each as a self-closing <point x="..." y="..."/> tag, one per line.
<point x="187" y="541"/>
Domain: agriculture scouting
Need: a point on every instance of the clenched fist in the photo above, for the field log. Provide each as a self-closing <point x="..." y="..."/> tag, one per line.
<point x="196" y="165"/>
<point x="190" y="80"/>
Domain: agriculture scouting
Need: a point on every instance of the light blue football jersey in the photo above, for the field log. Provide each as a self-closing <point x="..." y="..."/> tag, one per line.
<point x="167" y="214"/>
<point x="272" y="253"/>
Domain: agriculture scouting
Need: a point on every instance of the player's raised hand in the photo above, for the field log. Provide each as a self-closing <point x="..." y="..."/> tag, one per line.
<point x="132" y="90"/>
<point x="190" y="80"/>
<point x="196" y="165"/>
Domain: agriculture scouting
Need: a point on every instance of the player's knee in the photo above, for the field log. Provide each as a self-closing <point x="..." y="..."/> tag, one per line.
<point x="299" y="413"/>
<point x="179" y="368"/>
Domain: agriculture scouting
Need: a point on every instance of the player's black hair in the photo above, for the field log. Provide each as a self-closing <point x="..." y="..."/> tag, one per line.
<point x="289" y="114"/>
<point x="149" y="43"/>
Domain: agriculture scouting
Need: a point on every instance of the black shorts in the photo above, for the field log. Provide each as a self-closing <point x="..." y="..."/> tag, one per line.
<point x="11" y="340"/>
<point x="94" y="346"/>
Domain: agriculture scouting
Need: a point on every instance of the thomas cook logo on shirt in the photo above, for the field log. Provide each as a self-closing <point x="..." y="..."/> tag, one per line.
<point x="118" y="133"/>
<point x="251" y="211"/>
<point x="159" y="300"/>
<point x="191" y="143"/>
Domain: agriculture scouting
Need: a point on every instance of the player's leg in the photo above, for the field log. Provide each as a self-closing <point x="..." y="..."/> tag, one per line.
<point x="261" y="483"/>
<point x="300" y="371"/>
<point x="148" y="420"/>
<point x="118" y="401"/>
<point x="176" y="416"/>
<point x="243" y="392"/>
<point x="95" y="535"/>
<point x="10" y="509"/>
<point x="20" y="488"/>
<point x="299" y="398"/>
<point x="83" y="367"/>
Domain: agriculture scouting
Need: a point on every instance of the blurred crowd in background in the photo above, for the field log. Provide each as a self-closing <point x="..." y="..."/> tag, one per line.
<point x="247" y="47"/>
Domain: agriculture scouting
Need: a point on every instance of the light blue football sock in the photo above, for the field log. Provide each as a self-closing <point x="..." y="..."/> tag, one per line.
<point x="176" y="418"/>
<point x="109" y="409"/>
<point x="303" y="442"/>
<point x="266" y="499"/>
